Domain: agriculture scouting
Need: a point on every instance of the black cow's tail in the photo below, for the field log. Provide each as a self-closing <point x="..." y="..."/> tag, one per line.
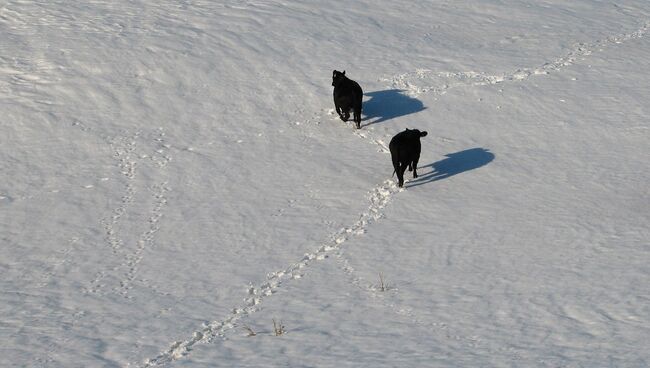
<point x="394" y="157"/>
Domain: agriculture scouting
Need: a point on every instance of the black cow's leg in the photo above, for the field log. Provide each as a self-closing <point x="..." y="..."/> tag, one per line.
<point x="400" y="174"/>
<point x="357" y="117"/>
<point x="339" y="111"/>
<point x="395" y="160"/>
<point x="346" y="115"/>
<point x="415" y="168"/>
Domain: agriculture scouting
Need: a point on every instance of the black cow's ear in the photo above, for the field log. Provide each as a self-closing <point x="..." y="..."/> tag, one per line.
<point x="344" y="72"/>
<point x="423" y="134"/>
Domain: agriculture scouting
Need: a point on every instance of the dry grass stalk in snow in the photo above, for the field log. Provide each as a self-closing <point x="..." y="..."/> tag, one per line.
<point x="278" y="328"/>
<point x="250" y="331"/>
<point x="382" y="285"/>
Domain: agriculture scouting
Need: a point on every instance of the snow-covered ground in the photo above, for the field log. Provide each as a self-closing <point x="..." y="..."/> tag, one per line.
<point x="173" y="174"/>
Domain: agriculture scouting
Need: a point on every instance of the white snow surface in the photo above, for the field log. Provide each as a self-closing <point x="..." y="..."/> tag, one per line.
<point x="173" y="174"/>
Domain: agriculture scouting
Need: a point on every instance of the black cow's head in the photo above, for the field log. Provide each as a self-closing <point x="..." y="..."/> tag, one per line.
<point x="416" y="133"/>
<point x="337" y="77"/>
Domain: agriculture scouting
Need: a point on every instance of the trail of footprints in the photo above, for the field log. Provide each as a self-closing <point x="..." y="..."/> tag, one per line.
<point x="124" y="153"/>
<point x="379" y="197"/>
<point x="146" y="239"/>
<point x="130" y="254"/>
<point x="450" y="80"/>
<point x="124" y="150"/>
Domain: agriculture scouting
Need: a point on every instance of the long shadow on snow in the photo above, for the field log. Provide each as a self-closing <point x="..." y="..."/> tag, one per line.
<point x="389" y="104"/>
<point x="455" y="163"/>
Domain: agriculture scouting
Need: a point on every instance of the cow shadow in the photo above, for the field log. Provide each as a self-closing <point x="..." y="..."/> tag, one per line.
<point x="454" y="164"/>
<point x="389" y="104"/>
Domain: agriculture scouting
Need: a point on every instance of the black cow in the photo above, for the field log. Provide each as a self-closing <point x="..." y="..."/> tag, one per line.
<point x="405" y="150"/>
<point x="347" y="95"/>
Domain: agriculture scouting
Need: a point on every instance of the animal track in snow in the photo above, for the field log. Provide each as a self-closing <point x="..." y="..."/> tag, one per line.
<point x="378" y="197"/>
<point x="125" y="156"/>
<point x="124" y="153"/>
<point x="161" y="158"/>
<point x="146" y="239"/>
<point x="412" y="82"/>
<point x="132" y="257"/>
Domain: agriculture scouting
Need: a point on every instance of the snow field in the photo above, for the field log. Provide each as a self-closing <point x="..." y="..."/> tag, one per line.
<point x="176" y="172"/>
